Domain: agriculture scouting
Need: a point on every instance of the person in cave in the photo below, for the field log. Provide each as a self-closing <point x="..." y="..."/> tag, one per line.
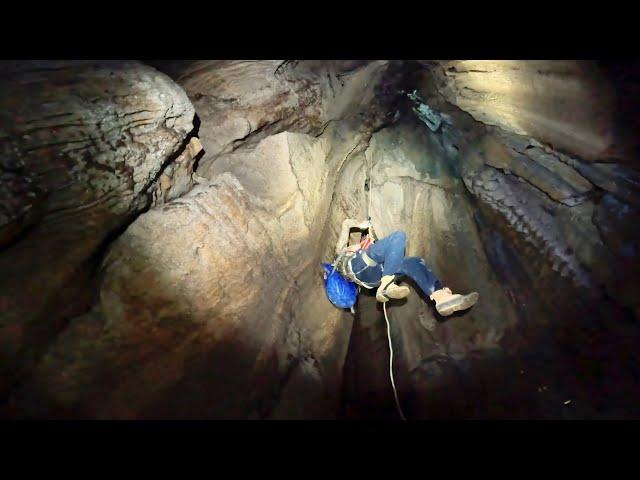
<point x="373" y="263"/>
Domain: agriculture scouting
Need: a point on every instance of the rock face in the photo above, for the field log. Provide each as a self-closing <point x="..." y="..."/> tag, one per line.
<point x="80" y="145"/>
<point x="537" y="216"/>
<point x="240" y="102"/>
<point x="529" y="225"/>
<point x="571" y="105"/>
<point x="415" y="190"/>
<point x="183" y="299"/>
<point x="177" y="260"/>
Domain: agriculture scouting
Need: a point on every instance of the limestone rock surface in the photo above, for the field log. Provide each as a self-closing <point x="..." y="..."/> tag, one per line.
<point x="211" y="304"/>
<point x="163" y="259"/>
<point x="571" y="105"/>
<point x="81" y="143"/>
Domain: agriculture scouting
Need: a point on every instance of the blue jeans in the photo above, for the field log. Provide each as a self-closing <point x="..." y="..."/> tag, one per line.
<point x="389" y="254"/>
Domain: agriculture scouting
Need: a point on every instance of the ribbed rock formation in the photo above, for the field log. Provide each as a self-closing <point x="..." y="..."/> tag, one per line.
<point x="574" y="106"/>
<point x="81" y="145"/>
<point x="183" y="298"/>
<point x="537" y="214"/>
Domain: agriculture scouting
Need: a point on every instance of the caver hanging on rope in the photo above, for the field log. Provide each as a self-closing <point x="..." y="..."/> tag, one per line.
<point x="378" y="263"/>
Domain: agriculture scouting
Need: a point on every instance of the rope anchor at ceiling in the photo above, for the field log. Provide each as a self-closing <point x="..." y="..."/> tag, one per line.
<point x="428" y="115"/>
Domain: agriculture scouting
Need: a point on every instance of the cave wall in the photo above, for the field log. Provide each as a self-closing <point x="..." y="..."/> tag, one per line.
<point x="558" y="197"/>
<point x="162" y="238"/>
<point x="586" y="108"/>
<point x="541" y="173"/>
<point x="208" y="303"/>
<point x="81" y="144"/>
<point x="415" y="189"/>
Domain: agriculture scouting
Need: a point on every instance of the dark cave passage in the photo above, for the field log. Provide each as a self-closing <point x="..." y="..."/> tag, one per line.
<point x="163" y="223"/>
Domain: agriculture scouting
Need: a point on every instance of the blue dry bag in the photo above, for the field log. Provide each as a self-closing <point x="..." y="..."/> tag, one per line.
<point x="340" y="291"/>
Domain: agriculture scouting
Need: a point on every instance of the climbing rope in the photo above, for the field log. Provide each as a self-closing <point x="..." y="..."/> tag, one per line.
<point x="384" y="305"/>
<point x="393" y="383"/>
<point x="370" y="189"/>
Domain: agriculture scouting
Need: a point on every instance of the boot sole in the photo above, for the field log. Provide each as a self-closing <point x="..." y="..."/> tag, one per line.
<point x="462" y="303"/>
<point x="398" y="293"/>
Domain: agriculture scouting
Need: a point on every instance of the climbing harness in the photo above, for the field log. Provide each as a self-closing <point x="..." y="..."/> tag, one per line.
<point x="343" y="265"/>
<point x="393" y="383"/>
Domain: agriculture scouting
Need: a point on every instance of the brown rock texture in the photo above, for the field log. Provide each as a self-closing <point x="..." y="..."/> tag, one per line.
<point x="540" y="216"/>
<point x="414" y="189"/>
<point x="165" y="266"/>
<point x="212" y="302"/>
<point x="572" y="105"/>
<point x="81" y="143"/>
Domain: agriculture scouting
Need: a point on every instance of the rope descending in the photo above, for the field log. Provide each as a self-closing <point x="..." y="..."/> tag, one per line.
<point x="384" y="305"/>
<point x="393" y="383"/>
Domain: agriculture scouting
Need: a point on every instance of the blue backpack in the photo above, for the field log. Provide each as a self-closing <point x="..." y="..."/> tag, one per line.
<point x="340" y="291"/>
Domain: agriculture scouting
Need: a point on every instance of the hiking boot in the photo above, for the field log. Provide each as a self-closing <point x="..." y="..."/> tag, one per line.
<point x="388" y="289"/>
<point x="447" y="302"/>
